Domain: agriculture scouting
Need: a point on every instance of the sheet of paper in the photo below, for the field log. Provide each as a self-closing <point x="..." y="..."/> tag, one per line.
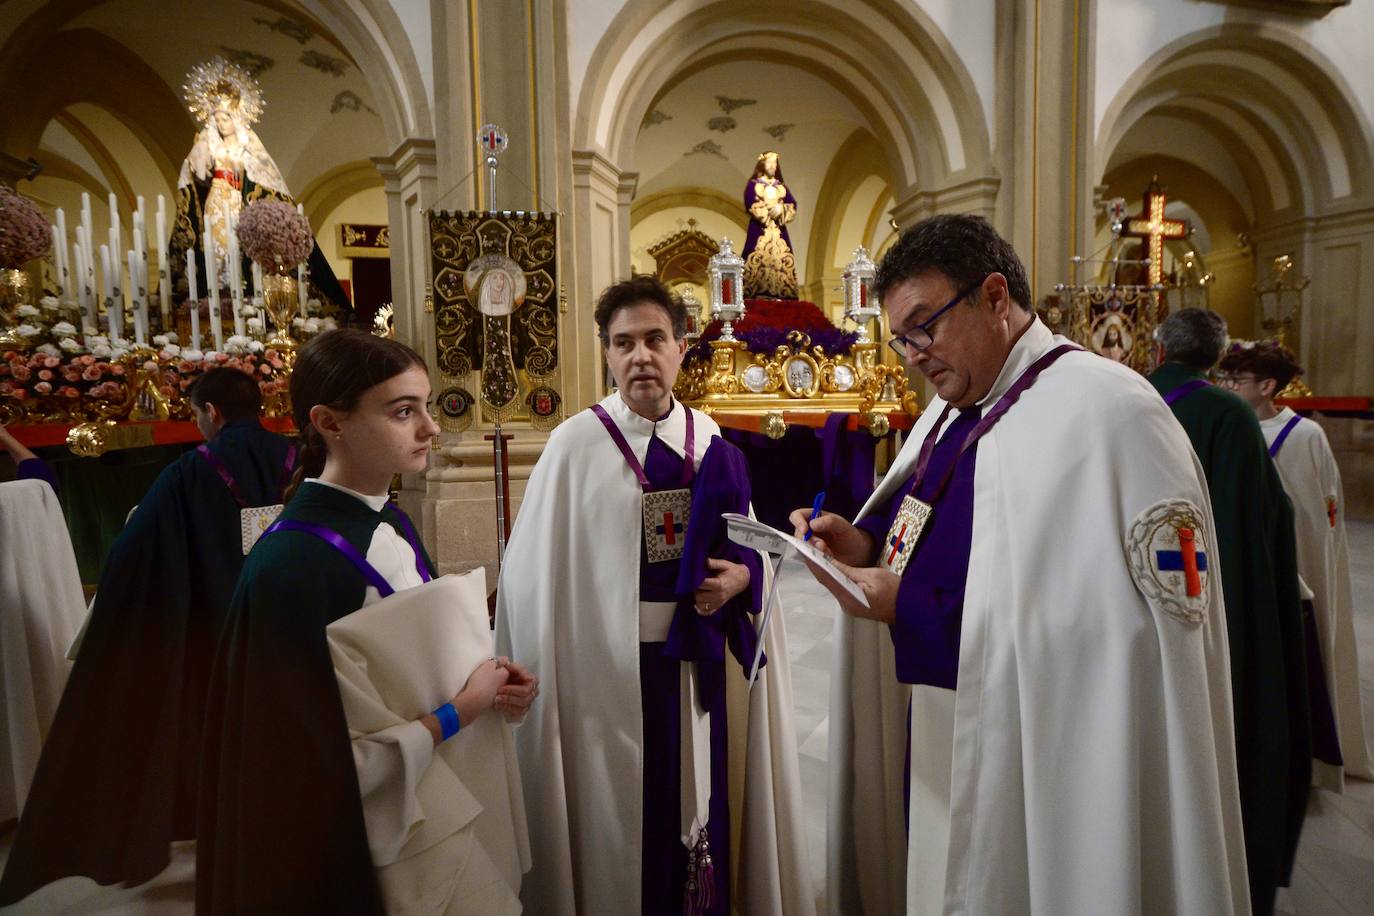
<point x="749" y="532"/>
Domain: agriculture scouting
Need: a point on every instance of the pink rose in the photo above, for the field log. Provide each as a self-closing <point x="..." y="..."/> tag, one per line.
<point x="150" y="366"/>
<point x="221" y="357"/>
<point x="167" y="390"/>
<point x="91" y="374"/>
<point x="21" y="372"/>
<point x="184" y="366"/>
<point x="45" y="374"/>
<point x="86" y="360"/>
<point x="67" y="391"/>
<point x="42" y="388"/>
<point x="116" y="369"/>
<point x="52" y="362"/>
<point x="71" y="373"/>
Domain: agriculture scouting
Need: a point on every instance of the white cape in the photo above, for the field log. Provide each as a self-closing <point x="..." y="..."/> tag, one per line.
<point x="1310" y="476"/>
<point x="1093" y="762"/>
<point x="395" y="660"/>
<point x="568" y="607"/>
<point x="41" y="608"/>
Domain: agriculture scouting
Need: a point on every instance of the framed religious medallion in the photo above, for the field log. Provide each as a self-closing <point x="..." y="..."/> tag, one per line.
<point x="495" y="283"/>
<point x="755" y="378"/>
<point x="455" y="408"/>
<point x="545" y="406"/>
<point x="843" y="377"/>
<point x="800" y="376"/>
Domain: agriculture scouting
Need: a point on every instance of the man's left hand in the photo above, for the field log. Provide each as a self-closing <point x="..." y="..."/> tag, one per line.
<point x="879" y="587"/>
<point x="725" y="582"/>
<point x="514" y="698"/>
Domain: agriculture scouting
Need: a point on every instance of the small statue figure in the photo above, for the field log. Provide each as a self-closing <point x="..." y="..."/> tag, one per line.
<point x="770" y="268"/>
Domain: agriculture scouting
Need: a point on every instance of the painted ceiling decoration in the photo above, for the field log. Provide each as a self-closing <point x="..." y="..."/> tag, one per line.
<point x="728" y="104"/>
<point x="724" y="124"/>
<point x="288" y="27"/>
<point x="654" y="118"/>
<point x="251" y="61"/>
<point x="778" y="131"/>
<point x="325" y="63"/>
<point x="707" y="147"/>
<point x="348" y="101"/>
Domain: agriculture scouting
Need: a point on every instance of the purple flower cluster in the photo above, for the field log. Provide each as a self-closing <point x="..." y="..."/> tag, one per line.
<point x="274" y="235"/>
<point x="25" y="232"/>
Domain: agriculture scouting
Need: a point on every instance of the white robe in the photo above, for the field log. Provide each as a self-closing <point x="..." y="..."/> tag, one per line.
<point x="1091" y="739"/>
<point x="41" y="609"/>
<point x="568" y="606"/>
<point x="1310" y="476"/>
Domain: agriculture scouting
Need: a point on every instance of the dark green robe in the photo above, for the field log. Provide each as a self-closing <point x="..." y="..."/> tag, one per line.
<point x="1259" y="575"/>
<point x="116" y="782"/>
<point x="281" y="819"/>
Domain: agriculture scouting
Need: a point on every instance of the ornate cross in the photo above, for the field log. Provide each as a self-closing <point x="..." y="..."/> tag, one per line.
<point x="898" y="541"/>
<point x="1152" y="225"/>
<point x="668" y="530"/>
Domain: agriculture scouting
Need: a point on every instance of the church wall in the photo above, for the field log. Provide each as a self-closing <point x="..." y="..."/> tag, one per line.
<point x="1133" y="30"/>
<point x="970" y="27"/>
<point x="367" y="206"/>
<point x="651" y="229"/>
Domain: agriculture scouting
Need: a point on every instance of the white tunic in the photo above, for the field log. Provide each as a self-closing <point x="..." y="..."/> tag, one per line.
<point x="1313" y="482"/>
<point x="1089" y="747"/>
<point x="568" y="605"/>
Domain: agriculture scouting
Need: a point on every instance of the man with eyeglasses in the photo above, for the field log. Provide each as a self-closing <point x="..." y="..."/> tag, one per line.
<point x="1043" y="642"/>
<point x="1258" y="566"/>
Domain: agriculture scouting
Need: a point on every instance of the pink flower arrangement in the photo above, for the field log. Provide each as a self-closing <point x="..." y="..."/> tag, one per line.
<point x="25" y="232"/>
<point x="274" y="235"/>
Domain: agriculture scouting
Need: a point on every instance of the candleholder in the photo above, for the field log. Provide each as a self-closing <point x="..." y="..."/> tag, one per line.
<point x="859" y="305"/>
<point x="726" y="272"/>
<point x="280" y="300"/>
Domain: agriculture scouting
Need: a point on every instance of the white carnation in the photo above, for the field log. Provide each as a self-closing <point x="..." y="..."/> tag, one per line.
<point x="28" y="330"/>
<point x="63" y="329"/>
<point x="48" y="349"/>
<point x="27" y="311"/>
<point x="69" y="345"/>
<point x="194" y="356"/>
<point x="50" y="303"/>
<point x="101" y="351"/>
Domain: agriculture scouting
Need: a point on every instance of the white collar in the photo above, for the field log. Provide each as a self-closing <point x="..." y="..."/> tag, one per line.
<point x="1279" y="419"/>
<point x="671" y="430"/>
<point x="1034" y="342"/>
<point x="375" y="503"/>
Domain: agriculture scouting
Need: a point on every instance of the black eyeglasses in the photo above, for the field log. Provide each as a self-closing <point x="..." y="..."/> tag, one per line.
<point x="919" y="337"/>
<point x="1227" y="380"/>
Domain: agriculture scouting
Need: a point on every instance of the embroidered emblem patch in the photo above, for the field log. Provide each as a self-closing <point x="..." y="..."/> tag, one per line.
<point x="1167" y="552"/>
<point x="900" y="543"/>
<point x="253" y="521"/>
<point x="665" y="523"/>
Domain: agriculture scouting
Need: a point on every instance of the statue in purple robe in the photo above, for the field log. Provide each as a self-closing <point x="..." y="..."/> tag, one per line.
<point x="770" y="269"/>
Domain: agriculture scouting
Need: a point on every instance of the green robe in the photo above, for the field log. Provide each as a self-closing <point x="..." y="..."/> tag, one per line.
<point x="281" y="825"/>
<point x="1259" y="574"/>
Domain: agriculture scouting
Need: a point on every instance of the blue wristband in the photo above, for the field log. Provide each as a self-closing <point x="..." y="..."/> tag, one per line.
<point x="448" y="720"/>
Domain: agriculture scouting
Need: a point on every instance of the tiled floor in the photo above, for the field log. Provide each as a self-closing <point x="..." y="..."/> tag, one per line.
<point x="1334" y="874"/>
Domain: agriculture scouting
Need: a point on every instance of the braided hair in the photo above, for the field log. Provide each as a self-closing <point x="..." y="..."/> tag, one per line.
<point x="335" y="369"/>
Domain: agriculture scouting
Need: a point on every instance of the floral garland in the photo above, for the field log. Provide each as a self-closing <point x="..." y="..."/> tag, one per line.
<point x="274" y="235"/>
<point x="768" y="322"/>
<point x="25" y="232"/>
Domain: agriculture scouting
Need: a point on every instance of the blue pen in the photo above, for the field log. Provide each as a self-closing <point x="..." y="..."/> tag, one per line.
<point x="815" y="511"/>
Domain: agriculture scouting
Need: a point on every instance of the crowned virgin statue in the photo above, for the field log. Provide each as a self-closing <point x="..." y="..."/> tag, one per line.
<point x="227" y="169"/>
<point x="770" y="269"/>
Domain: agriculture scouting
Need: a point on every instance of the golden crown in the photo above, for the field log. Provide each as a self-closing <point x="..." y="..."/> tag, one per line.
<point x="218" y="84"/>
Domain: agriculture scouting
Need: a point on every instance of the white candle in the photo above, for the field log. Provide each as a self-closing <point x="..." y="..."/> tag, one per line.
<point x="194" y="301"/>
<point x="81" y="291"/>
<point x="164" y="275"/>
<point x="236" y="282"/>
<point x="301" y="287"/>
<point x="114" y="224"/>
<point x="64" y="274"/>
<point x="257" y="280"/>
<point x="135" y="300"/>
<point x="212" y="287"/>
<point x="110" y="294"/>
<point x="86" y="217"/>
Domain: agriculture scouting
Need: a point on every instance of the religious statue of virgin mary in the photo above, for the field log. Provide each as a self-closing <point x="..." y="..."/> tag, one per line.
<point x="770" y="268"/>
<point x="228" y="168"/>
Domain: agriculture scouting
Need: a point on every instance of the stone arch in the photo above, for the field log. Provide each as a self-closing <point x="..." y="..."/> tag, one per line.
<point x="1281" y="109"/>
<point x="325" y="193"/>
<point x="858" y="158"/>
<point x="886" y="57"/>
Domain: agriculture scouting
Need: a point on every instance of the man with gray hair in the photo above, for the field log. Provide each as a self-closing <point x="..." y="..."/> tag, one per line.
<point x="1038" y="627"/>
<point x="1258" y="566"/>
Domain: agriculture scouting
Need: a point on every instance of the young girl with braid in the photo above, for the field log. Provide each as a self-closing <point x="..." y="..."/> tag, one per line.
<point x="353" y="762"/>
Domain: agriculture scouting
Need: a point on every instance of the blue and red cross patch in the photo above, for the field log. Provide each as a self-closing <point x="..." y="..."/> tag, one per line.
<point x="1169" y="559"/>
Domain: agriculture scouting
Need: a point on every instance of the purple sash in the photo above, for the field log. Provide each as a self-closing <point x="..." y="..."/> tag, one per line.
<point x="1182" y="391"/>
<point x="1283" y="434"/>
<point x="340" y="543"/>
<point x="214" y="461"/>
<point x="989" y="420"/>
<point x="688" y="464"/>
